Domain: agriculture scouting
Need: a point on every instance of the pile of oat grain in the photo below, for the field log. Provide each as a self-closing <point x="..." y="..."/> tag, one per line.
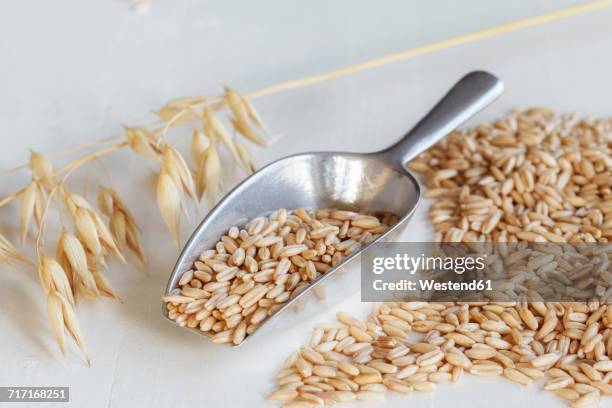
<point x="531" y="176"/>
<point x="566" y="346"/>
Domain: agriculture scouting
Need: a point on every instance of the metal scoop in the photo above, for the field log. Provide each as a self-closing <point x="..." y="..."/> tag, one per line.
<point x="354" y="181"/>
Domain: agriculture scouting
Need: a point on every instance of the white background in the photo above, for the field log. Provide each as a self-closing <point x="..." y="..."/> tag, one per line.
<point x="74" y="71"/>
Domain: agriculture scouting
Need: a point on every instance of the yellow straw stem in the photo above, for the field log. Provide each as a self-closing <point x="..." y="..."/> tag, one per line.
<point x="72" y="166"/>
<point x="435" y="46"/>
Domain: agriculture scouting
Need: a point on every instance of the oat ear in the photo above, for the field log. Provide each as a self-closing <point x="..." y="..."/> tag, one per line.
<point x="80" y="255"/>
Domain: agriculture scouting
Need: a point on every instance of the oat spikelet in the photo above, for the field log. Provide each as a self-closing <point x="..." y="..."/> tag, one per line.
<point x="42" y="169"/>
<point x="60" y="302"/>
<point x="53" y="277"/>
<point x="199" y="145"/>
<point x="118" y="227"/>
<point x="212" y="175"/>
<point x="181" y="110"/>
<point x="87" y="231"/>
<point x="174" y="165"/>
<point x="133" y="240"/>
<point x="72" y="253"/>
<point x="142" y="142"/>
<point x="39" y="204"/>
<point x="104" y="286"/>
<point x="245" y="157"/>
<point x="26" y="208"/>
<point x="106" y="237"/>
<point x="122" y="225"/>
<point x="87" y="292"/>
<point x="31" y="204"/>
<point x="92" y="231"/>
<point x="215" y="129"/>
<point x="105" y="198"/>
<point x="56" y="318"/>
<point x="244" y="119"/>
<point x="44" y="275"/>
<point x="177" y="115"/>
<point x="8" y="251"/>
<point x="62" y="259"/>
<point x="200" y="177"/>
<point x="72" y="324"/>
<point x="169" y="203"/>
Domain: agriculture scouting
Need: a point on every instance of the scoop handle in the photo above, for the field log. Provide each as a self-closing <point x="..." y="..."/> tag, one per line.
<point x="470" y="95"/>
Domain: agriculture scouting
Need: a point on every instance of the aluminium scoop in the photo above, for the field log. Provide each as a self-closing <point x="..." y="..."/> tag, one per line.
<point x="352" y="181"/>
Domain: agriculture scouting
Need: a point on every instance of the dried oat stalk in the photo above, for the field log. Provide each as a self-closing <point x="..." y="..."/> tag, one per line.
<point x="82" y="249"/>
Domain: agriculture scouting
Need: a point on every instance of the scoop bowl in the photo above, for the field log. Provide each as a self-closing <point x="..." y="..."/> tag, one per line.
<point x="352" y="181"/>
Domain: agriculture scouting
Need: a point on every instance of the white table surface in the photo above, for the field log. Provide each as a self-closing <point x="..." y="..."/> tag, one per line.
<point x="72" y="71"/>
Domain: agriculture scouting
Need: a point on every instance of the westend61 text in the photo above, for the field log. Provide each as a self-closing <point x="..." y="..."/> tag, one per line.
<point x="430" y="284"/>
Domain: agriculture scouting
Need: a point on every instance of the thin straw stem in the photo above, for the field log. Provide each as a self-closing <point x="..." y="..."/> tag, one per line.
<point x="432" y="47"/>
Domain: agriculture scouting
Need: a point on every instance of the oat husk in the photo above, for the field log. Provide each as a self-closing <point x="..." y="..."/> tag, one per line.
<point x="60" y="303"/>
<point x="169" y="203"/>
<point x="92" y="232"/>
<point x="9" y="252"/>
<point x="42" y="169"/>
<point x="122" y="224"/>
